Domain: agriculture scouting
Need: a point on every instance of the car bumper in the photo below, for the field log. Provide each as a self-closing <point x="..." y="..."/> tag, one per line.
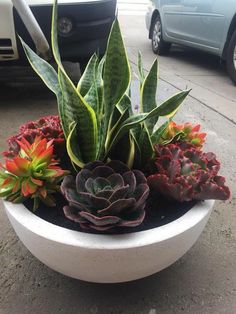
<point x="91" y="26"/>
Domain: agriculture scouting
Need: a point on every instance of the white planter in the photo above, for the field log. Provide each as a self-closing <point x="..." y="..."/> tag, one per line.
<point x="108" y="258"/>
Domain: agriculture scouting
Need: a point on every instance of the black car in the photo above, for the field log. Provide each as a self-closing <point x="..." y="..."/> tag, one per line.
<point x="83" y="28"/>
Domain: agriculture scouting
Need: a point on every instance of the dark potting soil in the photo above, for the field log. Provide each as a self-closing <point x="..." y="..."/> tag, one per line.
<point x="159" y="212"/>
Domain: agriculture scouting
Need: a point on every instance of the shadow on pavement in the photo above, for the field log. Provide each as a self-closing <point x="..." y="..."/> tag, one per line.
<point x="197" y="58"/>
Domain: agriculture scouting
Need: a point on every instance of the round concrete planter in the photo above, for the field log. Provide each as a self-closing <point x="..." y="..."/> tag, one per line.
<point x="108" y="258"/>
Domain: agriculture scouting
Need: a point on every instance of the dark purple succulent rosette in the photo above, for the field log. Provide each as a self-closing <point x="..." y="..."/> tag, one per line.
<point x="106" y="196"/>
<point x="186" y="175"/>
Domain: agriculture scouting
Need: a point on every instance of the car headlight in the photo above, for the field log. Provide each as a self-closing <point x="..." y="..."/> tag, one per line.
<point x="65" y="25"/>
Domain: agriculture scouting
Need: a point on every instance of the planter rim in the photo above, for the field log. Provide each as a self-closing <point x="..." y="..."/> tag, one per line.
<point x="85" y="240"/>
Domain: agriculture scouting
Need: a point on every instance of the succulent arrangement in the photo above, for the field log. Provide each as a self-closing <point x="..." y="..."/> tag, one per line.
<point x="117" y="153"/>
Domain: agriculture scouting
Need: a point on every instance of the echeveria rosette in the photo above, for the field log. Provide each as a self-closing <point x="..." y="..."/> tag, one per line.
<point x="48" y="127"/>
<point x="187" y="132"/>
<point x="186" y="175"/>
<point x="32" y="174"/>
<point x="106" y="196"/>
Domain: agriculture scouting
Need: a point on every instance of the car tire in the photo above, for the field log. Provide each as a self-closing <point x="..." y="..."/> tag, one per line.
<point x="231" y="58"/>
<point x="159" y="46"/>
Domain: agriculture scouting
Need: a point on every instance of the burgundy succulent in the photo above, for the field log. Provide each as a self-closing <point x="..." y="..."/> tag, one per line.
<point x="185" y="175"/>
<point x="106" y="196"/>
<point x="48" y="127"/>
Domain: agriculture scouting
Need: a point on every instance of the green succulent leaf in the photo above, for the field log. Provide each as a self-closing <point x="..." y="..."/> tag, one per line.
<point x="125" y="103"/>
<point x="117" y="126"/>
<point x="90" y="71"/>
<point x="73" y="105"/>
<point x="156" y="136"/>
<point x="168" y="107"/>
<point x="124" y="106"/>
<point x="77" y="110"/>
<point x="124" y="150"/>
<point x="140" y="69"/>
<point x="117" y="75"/>
<point x="100" y="83"/>
<point x="145" y="146"/>
<point x="48" y="75"/>
<point x="92" y="97"/>
<point x="148" y="94"/>
<point x="73" y="147"/>
<point x="131" y="156"/>
<point x="54" y="36"/>
<point x="44" y="70"/>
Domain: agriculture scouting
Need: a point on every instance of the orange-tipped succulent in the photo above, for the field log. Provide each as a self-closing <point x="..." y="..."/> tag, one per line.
<point x="186" y="132"/>
<point x="32" y="174"/>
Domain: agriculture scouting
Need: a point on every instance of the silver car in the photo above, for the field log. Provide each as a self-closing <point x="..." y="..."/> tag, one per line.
<point x="208" y="25"/>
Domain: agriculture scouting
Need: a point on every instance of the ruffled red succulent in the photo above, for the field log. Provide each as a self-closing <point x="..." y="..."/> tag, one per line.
<point x="186" y="132"/>
<point x="186" y="175"/>
<point x="47" y="127"/>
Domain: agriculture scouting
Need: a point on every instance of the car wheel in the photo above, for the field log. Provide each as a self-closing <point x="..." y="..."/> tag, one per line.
<point x="159" y="46"/>
<point x="231" y="58"/>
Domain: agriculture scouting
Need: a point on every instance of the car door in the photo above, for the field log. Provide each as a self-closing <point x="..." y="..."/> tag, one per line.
<point x="202" y="22"/>
<point x="171" y="17"/>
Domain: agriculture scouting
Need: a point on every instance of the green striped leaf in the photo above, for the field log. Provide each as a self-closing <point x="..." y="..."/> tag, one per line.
<point x="166" y="108"/>
<point x="145" y="146"/>
<point x="117" y="74"/>
<point x="54" y="36"/>
<point x="124" y="150"/>
<point x="149" y="88"/>
<point x="125" y="103"/>
<point x="44" y="70"/>
<point x="49" y="76"/>
<point x="75" y="109"/>
<point x="72" y="146"/>
<point x="100" y="85"/>
<point x="85" y="83"/>
<point x="119" y="109"/>
<point x="156" y="136"/>
<point x="148" y="94"/>
<point x="91" y="97"/>
<point x="112" y="133"/>
<point x="170" y="106"/>
<point x="140" y="69"/>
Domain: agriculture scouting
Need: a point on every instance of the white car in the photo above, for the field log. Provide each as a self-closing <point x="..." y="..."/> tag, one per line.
<point x="83" y="28"/>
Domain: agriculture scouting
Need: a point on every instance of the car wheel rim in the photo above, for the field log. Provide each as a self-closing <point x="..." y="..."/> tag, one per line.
<point x="234" y="56"/>
<point x="156" y="37"/>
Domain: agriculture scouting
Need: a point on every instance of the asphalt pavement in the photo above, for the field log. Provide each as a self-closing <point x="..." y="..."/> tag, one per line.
<point x="204" y="280"/>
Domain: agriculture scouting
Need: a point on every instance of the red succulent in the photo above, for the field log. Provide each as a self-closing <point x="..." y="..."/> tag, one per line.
<point x="48" y="127"/>
<point x="186" y="175"/>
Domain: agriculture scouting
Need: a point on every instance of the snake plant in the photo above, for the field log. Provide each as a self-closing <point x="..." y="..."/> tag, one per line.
<point x="96" y="114"/>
